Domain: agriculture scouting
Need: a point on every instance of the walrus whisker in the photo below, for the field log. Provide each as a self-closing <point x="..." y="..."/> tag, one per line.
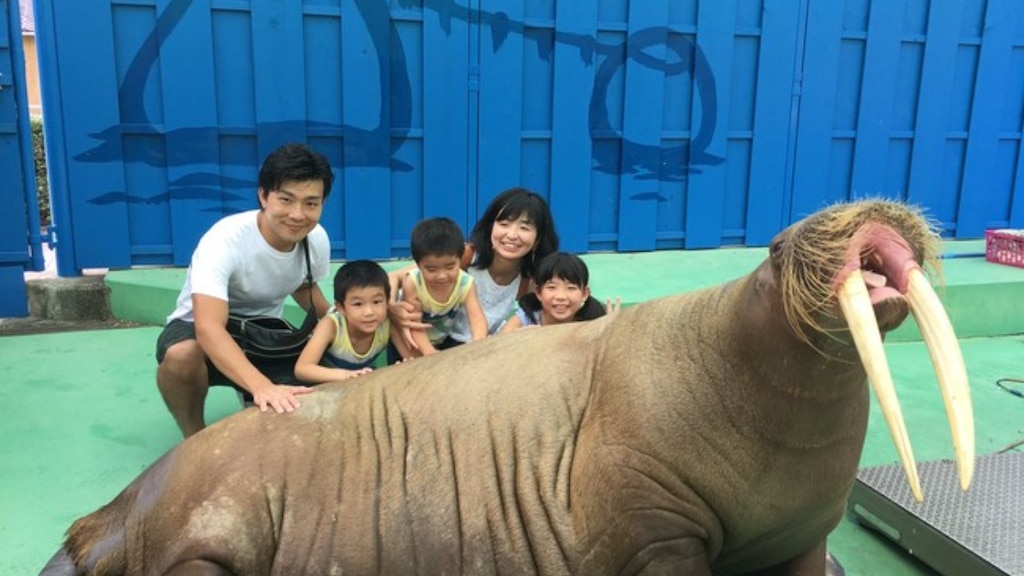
<point x="860" y="317"/>
<point x="937" y="333"/>
<point x="878" y="253"/>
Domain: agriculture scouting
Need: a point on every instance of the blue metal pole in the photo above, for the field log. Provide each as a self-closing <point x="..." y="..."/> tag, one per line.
<point x="60" y="237"/>
<point x="24" y="132"/>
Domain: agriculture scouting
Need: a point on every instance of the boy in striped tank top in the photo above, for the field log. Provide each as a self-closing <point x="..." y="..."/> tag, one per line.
<point x="438" y="287"/>
<point x="348" y="340"/>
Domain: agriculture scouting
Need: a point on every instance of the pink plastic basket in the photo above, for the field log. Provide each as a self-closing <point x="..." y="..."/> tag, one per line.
<point x="1005" y="247"/>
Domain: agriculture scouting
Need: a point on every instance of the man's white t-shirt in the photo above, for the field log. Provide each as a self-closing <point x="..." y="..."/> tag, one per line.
<point x="234" y="263"/>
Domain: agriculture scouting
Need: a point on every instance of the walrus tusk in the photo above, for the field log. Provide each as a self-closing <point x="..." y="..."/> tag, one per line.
<point x="938" y="335"/>
<point x="860" y="317"/>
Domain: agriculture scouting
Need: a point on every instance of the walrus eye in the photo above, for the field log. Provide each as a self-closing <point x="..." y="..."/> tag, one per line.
<point x="776" y="246"/>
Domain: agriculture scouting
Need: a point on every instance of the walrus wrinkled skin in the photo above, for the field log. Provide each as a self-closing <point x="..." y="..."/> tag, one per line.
<point x="714" y="432"/>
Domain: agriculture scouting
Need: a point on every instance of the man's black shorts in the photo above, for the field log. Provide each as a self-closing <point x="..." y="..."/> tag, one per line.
<point x="179" y="330"/>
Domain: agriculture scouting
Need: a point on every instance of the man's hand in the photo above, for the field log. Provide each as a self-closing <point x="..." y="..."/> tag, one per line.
<point x="280" y="398"/>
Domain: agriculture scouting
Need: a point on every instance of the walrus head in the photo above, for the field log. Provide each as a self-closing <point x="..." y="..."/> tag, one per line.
<point x="858" y="268"/>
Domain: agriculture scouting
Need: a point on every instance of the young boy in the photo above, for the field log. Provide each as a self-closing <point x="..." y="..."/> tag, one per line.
<point x="348" y="340"/>
<point x="438" y="287"/>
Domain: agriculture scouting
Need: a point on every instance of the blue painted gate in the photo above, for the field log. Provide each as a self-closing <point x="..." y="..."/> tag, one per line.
<point x="648" y="124"/>
<point x="17" y="173"/>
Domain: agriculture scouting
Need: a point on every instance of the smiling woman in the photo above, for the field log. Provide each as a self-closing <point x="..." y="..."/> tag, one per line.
<point x="513" y="235"/>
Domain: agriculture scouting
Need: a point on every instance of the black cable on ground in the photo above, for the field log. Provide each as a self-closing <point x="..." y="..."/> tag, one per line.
<point x="1011" y="446"/>
<point x="1002" y="384"/>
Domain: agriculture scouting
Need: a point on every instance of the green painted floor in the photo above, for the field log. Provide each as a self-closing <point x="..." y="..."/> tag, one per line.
<point x="83" y="417"/>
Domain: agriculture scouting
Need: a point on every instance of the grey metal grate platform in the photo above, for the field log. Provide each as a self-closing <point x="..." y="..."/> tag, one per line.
<point x="978" y="532"/>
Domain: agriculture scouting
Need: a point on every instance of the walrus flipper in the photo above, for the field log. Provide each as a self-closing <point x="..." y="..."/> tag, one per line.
<point x="96" y="544"/>
<point x="60" y="565"/>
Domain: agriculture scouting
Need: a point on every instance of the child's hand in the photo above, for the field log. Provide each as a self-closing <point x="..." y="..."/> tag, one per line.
<point x="613" y="308"/>
<point x="360" y="372"/>
<point x="406" y="318"/>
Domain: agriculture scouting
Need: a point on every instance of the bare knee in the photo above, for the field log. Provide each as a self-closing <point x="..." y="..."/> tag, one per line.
<point x="183" y="379"/>
<point x="184" y="365"/>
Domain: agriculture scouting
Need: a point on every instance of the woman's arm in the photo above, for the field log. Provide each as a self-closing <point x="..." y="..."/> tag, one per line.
<point x="398" y="341"/>
<point x="396" y="279"/>
<point x="418" y="336"/>
<point x="404" y="317"/>
<point x="475" y="314"/>
<point x="513" y="324"/>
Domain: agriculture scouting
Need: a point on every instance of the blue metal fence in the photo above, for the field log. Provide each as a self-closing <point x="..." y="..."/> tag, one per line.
<point x="648" y="124"/>
<point x="19" y="220"/>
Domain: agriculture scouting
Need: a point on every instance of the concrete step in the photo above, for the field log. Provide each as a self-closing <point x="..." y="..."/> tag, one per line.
<point x="69" y="299"/>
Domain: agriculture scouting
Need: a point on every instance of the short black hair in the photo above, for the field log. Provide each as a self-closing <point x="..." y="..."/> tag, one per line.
<point x="295" y="163"/>
<point x="570" y="268"/>
<point x="510" y="205"/>
<point x="360" y="274"/>
<point x="436" y="237"/>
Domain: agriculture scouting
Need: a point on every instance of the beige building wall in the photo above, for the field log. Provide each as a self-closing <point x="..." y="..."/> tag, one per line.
<point x="35" y="104"/>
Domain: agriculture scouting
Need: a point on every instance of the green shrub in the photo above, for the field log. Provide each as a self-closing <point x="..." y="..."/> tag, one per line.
<point x="42" y="185"/>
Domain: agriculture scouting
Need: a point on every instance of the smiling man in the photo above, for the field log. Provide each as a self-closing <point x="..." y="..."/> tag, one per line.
<point x="248" y="264"/>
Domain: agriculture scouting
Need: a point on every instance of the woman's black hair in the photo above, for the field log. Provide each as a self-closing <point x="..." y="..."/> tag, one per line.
<point x="567" y="267"/>
<point x="509" y="205"/>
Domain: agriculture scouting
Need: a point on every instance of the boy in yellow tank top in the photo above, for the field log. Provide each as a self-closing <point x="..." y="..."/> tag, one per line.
<point x="348" y="340"/>
<point x="438" y="287"/>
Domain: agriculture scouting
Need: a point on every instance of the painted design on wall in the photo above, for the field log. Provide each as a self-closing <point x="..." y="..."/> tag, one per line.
<point x="363" y="147"/>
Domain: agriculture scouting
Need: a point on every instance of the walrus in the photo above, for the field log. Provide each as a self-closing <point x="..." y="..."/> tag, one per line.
<point x="712" y="432"/>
